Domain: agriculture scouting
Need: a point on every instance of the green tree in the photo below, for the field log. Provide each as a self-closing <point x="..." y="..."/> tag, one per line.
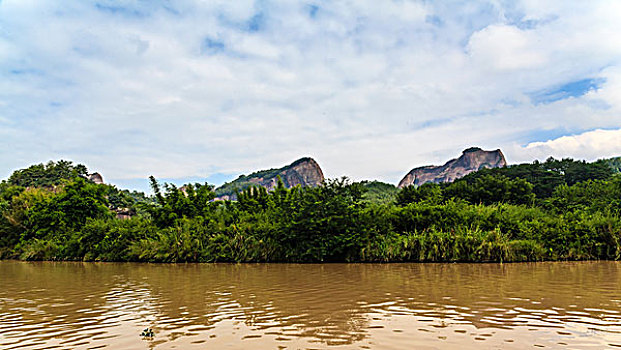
<point x="189" y="201"/>
<point x="51" y="174"/>
<point x="429" y="192"/>
<point x="490" y="189"/>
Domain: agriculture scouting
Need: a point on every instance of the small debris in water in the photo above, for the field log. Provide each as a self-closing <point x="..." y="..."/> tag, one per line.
<point x="147" y="333"/>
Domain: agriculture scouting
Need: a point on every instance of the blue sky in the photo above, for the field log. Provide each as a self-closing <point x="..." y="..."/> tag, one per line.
<point x="205" y="91"/>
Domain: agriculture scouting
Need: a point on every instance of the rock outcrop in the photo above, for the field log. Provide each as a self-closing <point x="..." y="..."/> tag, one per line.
<point x="472" y="159"/>
<point x="96" y="178"/>
<point x="303" y="172"/>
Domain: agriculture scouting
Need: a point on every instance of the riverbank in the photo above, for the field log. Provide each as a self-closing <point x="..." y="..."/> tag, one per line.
<point x="418" y="232"/>
<point x="489" y="216"/>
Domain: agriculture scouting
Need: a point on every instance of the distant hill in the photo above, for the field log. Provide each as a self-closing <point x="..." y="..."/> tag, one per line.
<point x="379" y="192"/>
<point x="304" y="172"/>
<point x="471" y="159"/>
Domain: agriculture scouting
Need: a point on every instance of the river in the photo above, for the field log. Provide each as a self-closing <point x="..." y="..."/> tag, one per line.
<point x="65" y="305"/>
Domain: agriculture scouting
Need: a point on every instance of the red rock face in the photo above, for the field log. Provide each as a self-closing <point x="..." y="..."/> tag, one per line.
<point x="304" y="172"/>
<point x="472" y="159"/>
<point x="96" y="178"/>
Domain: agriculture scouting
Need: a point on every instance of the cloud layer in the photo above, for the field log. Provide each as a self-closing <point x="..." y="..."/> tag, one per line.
<point x="370" y="89"/>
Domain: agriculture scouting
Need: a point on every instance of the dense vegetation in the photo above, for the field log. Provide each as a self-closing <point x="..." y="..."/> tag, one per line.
<point x="50" y="174"/>
<point x="614" y="163"/>
<point x="558" y="209"/>
<point x="379" y="192"/>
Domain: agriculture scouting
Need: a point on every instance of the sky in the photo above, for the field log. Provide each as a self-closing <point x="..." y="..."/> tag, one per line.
<point x="207" y="90"/>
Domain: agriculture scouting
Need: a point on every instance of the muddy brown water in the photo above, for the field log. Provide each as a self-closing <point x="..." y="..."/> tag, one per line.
<point x="51" y="305"/>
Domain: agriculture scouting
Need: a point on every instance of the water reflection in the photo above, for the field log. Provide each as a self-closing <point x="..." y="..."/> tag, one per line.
<point x="96" y="305"/>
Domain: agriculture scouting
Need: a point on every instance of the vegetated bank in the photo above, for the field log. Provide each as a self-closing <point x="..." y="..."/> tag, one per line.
<point x="553" y="210"/>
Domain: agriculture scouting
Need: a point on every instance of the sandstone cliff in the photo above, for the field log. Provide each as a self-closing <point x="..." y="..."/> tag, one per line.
<point x="303" y="172"/>
<point x="96" y="178"/>
<point x="472" y="159"/>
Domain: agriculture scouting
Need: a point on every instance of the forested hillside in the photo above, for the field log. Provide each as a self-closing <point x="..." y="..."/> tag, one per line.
<point x="557" y="209"/>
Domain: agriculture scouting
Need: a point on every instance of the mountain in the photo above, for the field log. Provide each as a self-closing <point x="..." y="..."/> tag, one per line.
<point x="304" y="172"/>
<point x="471" y="159"/>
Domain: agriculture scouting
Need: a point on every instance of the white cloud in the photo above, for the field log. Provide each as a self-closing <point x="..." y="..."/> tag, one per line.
<point x="506" y="47"/>
<point x="590" y="145"/>
<point x="370" y="89"/>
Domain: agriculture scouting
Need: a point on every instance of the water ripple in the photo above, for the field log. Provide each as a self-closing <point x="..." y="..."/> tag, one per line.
<point x="95" y="306"/>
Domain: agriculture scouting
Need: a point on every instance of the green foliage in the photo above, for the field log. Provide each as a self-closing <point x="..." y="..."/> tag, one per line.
<point x="546" y="176"/>
<point x="428" y="192"/>
<point x="570" y="210"/>
<point x="379" y="192"/>
<point x="109" y="239"/>
<point x="55" y="213"/>
<point x="489" y="189"/>
<point x="134" y="201"/>
<point x="589" y="196"/>
<point x="50" y="174"/>
<point x="486" y="189"/>
<point x="460" y="246"/>
<point x="33" y="217"/>
<point x="323" y="226"/>
<point x="612" y="163"/>
<point x="175" y="203"/>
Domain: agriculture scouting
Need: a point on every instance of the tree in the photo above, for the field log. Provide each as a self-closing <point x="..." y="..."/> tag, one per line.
<point x="191" y="200"/>
<point x="428" y="192"/>
<point x="51" y="174"/>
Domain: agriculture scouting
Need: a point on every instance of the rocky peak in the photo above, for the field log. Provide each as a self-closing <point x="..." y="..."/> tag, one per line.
<point x="471" y="159"/>
<point x="304" y="172"/>
<point x="96" y="178"/>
